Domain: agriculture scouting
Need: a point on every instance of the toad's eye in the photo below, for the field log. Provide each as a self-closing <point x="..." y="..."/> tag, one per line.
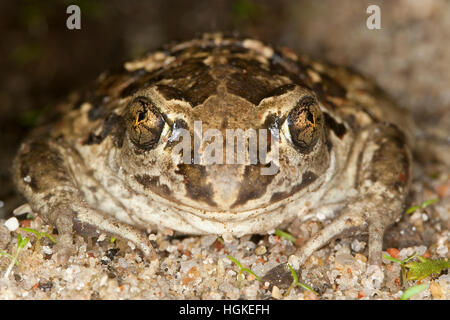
<point x="145" y="123"/>
<point x="304" y="122"/>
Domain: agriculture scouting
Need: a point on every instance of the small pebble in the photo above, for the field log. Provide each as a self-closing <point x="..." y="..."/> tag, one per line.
<point x="361" y="257"/>
<point x="276" y="293"/>
<point x="231" y="273"/>
<point x="294" y="262"/>
<point x="442" y="250"/>
<point x="272" y="239"/>
<point x="123" y="263"/>
<point x="47" y="250"/>
<point x="435" y="290"/>
<point x="260" y="250"/>
<point x="12" y="224"/>
<point x="358" y="246"/>
<point x="227" y="237"/>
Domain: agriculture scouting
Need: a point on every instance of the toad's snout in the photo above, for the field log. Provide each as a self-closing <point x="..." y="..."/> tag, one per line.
<point x="226" y="187"/>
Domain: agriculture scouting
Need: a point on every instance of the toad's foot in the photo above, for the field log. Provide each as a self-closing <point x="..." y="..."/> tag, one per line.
<point x="88" y="222"/>
<point x="354" y="220"/>
<point x="53" y="193"/>
<point x="383" y="183"/>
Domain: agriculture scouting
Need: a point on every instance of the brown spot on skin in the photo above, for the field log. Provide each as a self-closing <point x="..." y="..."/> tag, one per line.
<point x="247" y="87"/>
<point x="98" y="102"/>
<point x="171" y="93"/>
<point x="192" y="50"/>
<point x="280" y="64"/>
<point x="253" y="67"/>
<point x="153" y="183"/>
<point x="338" y="128"/>
<point x="282" y="90"/>
<point x="254" y="184"/>
<point x="113" y="126"/>
<point x="194" y="180"/>
<point x="294" y="70"/>
<point x="191" y="68"/>
<point x="233" y="49"/>
<point x="307" y="178"/>
<point x="203" y="88"/>
<point x="129" y="90"/>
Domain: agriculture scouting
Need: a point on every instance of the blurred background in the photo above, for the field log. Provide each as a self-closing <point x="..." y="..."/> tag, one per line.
<point x="42" y="61"/>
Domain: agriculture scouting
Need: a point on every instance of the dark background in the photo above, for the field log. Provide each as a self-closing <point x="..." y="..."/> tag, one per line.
<point x="42" y="61"/>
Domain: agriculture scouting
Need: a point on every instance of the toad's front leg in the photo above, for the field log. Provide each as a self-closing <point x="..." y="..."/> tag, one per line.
<point x="42" y="175"/>
<point x="383" y="181"/>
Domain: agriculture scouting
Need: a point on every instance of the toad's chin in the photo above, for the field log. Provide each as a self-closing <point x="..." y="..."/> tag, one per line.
<point x="190" y="220"/>
<point x="194" y="219"/>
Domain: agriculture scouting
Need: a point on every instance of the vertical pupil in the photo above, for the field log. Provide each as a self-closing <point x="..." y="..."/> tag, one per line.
<point x="310" y="117"/>
<point x="141" y="116"/>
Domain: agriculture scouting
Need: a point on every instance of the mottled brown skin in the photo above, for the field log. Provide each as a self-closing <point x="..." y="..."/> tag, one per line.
<point x="106" y="163"/>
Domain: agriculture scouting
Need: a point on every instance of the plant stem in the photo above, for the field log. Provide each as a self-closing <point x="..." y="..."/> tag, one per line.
<point x="11" y="265"/>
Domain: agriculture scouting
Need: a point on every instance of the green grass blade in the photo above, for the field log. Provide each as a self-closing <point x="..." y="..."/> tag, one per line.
<point x="411" y="257"/>
<point x="412" y="209"/>
<point x="235" y="261"/>
<point x="306" y="287"/>
<point x="35" y="232"/>
<point x="413" y="291"/>
<point x="23" y="242"/>
<point x="285" y="235"/>
<point x="45" y="234"/>
<point x="388" y="257"/>
<point x="251" y="272"/>
<point x="302" y="285"/>
<point x="294" y="274"/>
<point x="428" y="202"/>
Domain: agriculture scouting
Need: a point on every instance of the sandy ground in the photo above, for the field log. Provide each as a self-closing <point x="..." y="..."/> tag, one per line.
<point x="410" y="59"/>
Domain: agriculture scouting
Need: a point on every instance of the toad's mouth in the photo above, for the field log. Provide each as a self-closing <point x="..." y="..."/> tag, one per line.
<point x="193" y="219"/>
<point x="239" y="194"/>
<point x="308" y="189"/>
